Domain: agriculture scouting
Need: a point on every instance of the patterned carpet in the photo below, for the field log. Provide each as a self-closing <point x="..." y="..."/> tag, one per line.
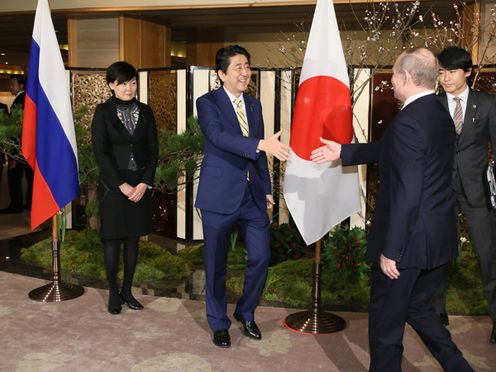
<point x="172" y="335"/>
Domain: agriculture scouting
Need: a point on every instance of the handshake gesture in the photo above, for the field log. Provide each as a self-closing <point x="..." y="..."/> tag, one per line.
<point x="329" y="152"/>
<point x="274" y="147"/>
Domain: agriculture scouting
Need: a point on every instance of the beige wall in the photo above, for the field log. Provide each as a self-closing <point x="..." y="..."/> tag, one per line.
<point x="266" y="44"/>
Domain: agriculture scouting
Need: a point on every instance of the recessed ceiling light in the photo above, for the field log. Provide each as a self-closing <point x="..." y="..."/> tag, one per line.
<point x="2" y="54"/>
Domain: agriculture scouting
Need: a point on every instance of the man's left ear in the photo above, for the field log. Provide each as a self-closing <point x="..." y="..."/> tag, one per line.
<point x="221" y="75"/>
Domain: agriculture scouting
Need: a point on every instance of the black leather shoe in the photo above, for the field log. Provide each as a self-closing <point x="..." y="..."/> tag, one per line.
<point x="250" y="327"/>
<point x="221" y="338"/>
<point x="114" y="306"/>
<point x="114" y="310"/>
<point x="492" y="339"/>
<point x="444" y="318"/>
<point x="131" y="302"/>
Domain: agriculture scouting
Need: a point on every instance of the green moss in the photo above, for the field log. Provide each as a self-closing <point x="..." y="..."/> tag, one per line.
<point x="192" y="254"/>
<point x="172" y="267"/>
<point x="465" y="291"/>
<point x="236" y="258"/>
<point x="289" y="283"/>
<point x="82" y="253"/>
<point x="146" y="273"/>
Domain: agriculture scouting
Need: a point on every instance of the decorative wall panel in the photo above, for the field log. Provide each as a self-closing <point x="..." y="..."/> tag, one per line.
<point x="162" y="98"/>
<point x="89" y="88"/>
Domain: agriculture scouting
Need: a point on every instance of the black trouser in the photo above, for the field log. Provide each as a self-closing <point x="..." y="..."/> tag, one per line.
<point x="15" y="184"/>
<point x="482" y="227"/>
<point x="395" y="302"/>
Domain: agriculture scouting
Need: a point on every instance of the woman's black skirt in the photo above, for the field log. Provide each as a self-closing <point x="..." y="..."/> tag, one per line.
<point x="121" y="218"/>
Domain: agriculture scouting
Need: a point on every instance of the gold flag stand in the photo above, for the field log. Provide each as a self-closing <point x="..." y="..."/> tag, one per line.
<point x="56" y="291"/>
<point x="315" y="321"/>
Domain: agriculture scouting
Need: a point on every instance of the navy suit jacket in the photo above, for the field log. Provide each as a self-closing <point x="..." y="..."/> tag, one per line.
<point x="414" y="219"/>
<point x="229" y="156"/>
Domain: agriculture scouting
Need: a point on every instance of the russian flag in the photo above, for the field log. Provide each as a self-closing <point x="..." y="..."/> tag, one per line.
<point x="319" y="196"/>
<point x="48" y="136"/>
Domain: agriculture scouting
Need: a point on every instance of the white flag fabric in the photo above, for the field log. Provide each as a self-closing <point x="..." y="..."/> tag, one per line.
<point x="319" y="196"/>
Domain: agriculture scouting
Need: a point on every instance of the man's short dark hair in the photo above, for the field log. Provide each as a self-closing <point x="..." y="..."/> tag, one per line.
<point x="20" y="79"/>
<point x="453" y="58"/>
<point x="121" y="71"/>
<point x="223" y="56"/>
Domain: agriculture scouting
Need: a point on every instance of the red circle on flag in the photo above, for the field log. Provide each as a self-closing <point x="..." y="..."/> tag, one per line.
<point x="322" y="109"/>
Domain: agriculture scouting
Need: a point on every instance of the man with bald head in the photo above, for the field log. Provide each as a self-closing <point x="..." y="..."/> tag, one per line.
<point x="413" y="234"/>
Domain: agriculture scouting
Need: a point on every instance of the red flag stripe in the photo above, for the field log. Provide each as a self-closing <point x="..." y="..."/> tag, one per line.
<point x="322" y="109"/>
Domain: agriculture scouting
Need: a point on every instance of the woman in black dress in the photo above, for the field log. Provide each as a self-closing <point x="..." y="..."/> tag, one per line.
<point x="126" y="150"/>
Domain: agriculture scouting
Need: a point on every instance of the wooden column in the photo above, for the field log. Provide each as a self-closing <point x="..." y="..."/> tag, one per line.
<point x="144" y="43"/>
<point x="471" y="26"/>
<point x="202" y="44"/>
<point x="93" y="42"/>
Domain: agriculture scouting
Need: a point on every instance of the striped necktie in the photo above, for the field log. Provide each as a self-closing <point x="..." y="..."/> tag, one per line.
<point x="241" y="117"/>
<point x="458" y="115"/>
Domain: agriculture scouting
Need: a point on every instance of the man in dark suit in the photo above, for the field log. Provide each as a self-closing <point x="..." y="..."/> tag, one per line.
<point x="4" y="109"/>
<point x="475" y="122"/>
<point x="17" y="86"/>
<point x="413" y="233"/>
<point x="234" y="189"/>
<point x="17" y="167"/>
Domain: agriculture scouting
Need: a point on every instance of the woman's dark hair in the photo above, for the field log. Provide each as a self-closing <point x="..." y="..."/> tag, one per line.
<point x="453" y="58"/>
<point x="120" y="71"/>
<point x="223" y="56"/>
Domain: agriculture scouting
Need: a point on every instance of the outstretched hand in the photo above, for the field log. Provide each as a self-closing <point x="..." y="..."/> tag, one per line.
<point x="329" y="152"/>
<point x="274" y="147"/>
